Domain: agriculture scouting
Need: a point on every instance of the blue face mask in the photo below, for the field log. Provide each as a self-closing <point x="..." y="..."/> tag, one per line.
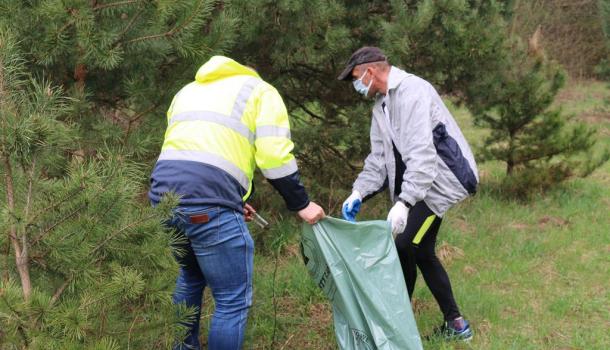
<point x="360" y="87"/>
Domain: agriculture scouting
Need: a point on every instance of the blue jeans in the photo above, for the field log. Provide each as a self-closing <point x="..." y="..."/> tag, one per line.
<point x="219" y="254"/>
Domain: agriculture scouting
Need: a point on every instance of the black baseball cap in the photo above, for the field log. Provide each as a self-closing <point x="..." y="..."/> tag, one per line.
<point x="366" y="54"/>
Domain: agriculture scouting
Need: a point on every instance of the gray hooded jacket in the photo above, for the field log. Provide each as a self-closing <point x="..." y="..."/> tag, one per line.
<point x="436" y="162"/>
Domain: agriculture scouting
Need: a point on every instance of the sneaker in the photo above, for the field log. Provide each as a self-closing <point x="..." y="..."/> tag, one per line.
<point x="458" y="329"/>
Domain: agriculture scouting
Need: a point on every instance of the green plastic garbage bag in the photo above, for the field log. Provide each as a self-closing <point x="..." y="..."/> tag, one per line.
<point x="357" y="267"/>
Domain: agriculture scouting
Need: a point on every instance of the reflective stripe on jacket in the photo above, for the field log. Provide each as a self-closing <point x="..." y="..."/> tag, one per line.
<point x="220" y="127"/>
<point x="439" y="167"/>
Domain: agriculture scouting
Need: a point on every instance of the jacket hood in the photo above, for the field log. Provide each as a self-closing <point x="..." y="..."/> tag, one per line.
<point x="220" y="67"/>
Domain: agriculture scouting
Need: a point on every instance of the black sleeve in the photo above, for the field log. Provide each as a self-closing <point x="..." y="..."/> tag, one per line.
<point x="292" y="190"/>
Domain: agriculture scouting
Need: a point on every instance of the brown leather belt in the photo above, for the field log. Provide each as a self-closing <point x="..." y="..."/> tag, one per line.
<point x="199" y="218"/>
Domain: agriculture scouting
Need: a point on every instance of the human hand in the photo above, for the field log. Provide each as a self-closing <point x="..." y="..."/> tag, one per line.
<point x="351" y="206"/>
<point x="248" y="212"/>
<point x="312" y="213"/>
<point x="398" y="218"/>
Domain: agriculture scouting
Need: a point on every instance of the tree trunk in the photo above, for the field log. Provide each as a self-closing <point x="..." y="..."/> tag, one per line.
<point x="21" y="251"/>
<point x="510" y="161"/>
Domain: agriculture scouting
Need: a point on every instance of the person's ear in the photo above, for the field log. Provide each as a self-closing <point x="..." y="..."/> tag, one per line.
<point x="372" y="72"/>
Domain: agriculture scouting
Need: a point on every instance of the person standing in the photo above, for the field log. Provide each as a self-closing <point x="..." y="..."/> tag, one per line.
<point x="419" y="152"/>
<point x="220" y="127"/>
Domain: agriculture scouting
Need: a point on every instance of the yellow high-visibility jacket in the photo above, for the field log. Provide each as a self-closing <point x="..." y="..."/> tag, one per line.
<point x="219" y="128"/>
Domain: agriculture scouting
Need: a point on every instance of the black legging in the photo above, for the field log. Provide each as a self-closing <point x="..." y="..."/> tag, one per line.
<point x="416" y="248"/>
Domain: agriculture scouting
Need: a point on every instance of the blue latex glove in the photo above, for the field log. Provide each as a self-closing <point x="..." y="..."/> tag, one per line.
<point x="351" y="206"/>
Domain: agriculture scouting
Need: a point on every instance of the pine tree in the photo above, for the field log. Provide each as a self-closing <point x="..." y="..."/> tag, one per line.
<point x="85" y="262"/>
<point x="121" y="61"/>
<point x="301" y="47"/>
<point x="453" y="44"/>
<point x="83" y="266"/>
<point x="539" y="144"/>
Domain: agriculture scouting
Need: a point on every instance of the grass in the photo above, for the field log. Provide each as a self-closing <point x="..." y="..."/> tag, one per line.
<point x="529" y="275"/>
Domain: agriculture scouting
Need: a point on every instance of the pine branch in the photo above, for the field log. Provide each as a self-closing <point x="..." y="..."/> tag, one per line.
<point x="147" y="37"/>
<point x="61" y="221"/>
<point x="114" y="4"/>
<point x="99" y="7"/>
<point x="55" y="205"/>
<point x="65" y="26"/>
<point x="514" y="129"/>
<point x="172" y="31"/>
<point x="60" y="291"/>
<point x="549" y="154"/>
<point x="116" y="233"/>
<point x="310" y="68"/>
<point x="127" y="27"/>
<point x="103" y="215"/>
<point x="130" y="330"/>
<point x="138" y="117"/>
<point x="188" y="20"/>
<point x="340" y="155"/>
<point x="20" y="327"/>
<point x="305" y="109"/>
<point x="103" y="319"/>
<point x="93" y="301"/>
<point x="105" y="212"/>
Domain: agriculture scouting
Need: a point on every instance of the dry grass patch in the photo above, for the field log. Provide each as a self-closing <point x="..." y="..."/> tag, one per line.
<point x="518" y="226"/>
<point x="420" y="306"/>
<point x="447" y="253"/>
<point x="470" y="270"/>
<point x="552" y="221"/>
